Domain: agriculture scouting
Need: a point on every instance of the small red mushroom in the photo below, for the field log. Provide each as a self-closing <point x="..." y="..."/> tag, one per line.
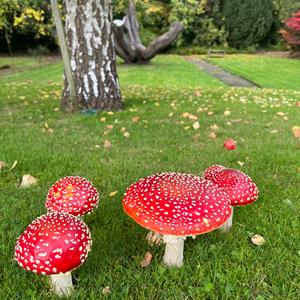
<point x="176" y="206"/>
<point x="229" y="144"/>
<point x="54" y="244"/>
<point x="238" y="186"/>
<point x="72" y="195"/>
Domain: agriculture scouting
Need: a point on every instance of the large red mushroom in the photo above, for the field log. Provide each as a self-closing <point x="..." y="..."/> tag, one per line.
<point x="238" y="186"/>
<point x="54" y="244"/>
<point x="176" y="206"/>
<point x="72" y="195"/>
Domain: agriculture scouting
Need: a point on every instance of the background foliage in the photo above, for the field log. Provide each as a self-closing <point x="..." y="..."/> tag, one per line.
<point x="208" y="23"/>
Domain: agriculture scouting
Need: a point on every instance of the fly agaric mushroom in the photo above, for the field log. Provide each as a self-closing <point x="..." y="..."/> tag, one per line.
<point x="239" y="187"/>
<point x="54" y="244"/>
<point x="73" y="195"/>
<point x="176" y="206"/>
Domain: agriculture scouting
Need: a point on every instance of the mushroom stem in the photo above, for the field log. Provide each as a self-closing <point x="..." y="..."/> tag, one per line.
<point x="227" y="226"/>
<point x="174" y="251"/>
<point x="61" y="284"/>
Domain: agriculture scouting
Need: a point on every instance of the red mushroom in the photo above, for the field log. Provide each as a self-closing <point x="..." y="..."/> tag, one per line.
<point x="72" y="195"/>
<point x="54" y="244"/>
<point x="176" y="206"/>
<point x="239" y="187"/>
<point x="229" y="144"/>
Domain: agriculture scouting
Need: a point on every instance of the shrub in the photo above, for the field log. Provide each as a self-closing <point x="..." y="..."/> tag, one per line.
<point x="247" y="23"/>
<point x="291" y="32"/>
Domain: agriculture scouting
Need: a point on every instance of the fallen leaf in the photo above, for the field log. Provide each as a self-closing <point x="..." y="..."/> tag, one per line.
<point x="171" y="114"/>
<point x="56" y="109"/>
<point x="110" y="113"/>
<point x="196" y="125"/>
<point x="156" y="104"/>
<point x="186" y="127"/>
<point x="210" y="113"/>
<point x="296" y="131"/>
<point x="103" y="119"/>
<point x="106" y="290"/>
<point x="154" y="238"/>
<point x="27" y="181"/>
<point x="214" y="127"/>
<point x="280" y="114"/>
<point x="257" y="240"/>
<point x="14" y="164"/>
<point x="110" y="127"/>
<point x="111" y="194"/>
<point x="123" y="129"/>
<point x="126" y="134"/>
<point x="107" y="144"/>
<point x="241" y="163"/>
<point x="135" y="119"/>
<point x="147" y="260"/>
<point x="298" y="103"/>
<point x="274" y="131"/>
<point x="190" y="116"/>
<point x="212" y="135"/>
<point x="227" y="112"/>
<point x="3" y="164"/>
<point x="197" y="93"/>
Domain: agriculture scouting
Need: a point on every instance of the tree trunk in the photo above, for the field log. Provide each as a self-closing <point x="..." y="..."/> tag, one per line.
<point x="7" y="37"/>
<point x="128" y="43"/>
<point x="71" y="104"/>
<point x="90" y="41"/>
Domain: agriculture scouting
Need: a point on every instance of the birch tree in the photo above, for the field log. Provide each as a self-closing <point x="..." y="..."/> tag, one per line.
<point x="90" y="43"/>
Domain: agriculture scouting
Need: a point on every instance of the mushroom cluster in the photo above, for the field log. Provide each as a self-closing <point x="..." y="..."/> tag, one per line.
<point x="58" y="242"/>
<point x="176" y="206"/>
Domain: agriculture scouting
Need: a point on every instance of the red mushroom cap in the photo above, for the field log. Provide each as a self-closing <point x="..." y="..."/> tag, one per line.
<point x="210" y="171"/>
<point x="72" y="195"/>
<point x="229" y="144"/>
<point x="177" y="204"/>
<point x="53" y="243"/>
<point x="239" y="187"/>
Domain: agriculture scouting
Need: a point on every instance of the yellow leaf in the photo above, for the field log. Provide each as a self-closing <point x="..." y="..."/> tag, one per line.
<point x="113" y="193"/>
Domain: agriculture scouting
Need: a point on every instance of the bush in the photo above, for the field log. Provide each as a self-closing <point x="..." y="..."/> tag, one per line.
<point x="247" y="23"/>
<point x="291" y="32"/>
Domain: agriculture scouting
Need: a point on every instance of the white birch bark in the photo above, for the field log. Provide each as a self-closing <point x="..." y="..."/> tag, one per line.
<point x="90" y="39"/>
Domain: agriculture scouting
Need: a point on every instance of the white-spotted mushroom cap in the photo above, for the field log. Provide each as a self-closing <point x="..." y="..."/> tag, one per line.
<point x="177" y="204"/>
<point x="53" y="243"/>
<point x="239" y="187"/>
<point x="72" y="195"/>
<point x="210" y="171"/>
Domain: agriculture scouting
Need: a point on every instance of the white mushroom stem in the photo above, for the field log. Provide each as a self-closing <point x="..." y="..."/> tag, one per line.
<point x="227" y="226"/>
<point x="174" y="251"/>
<point x="61" y="284"/>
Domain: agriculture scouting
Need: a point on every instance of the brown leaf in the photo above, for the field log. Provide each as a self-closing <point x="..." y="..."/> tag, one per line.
<point x="296" y="131"/>
<point x="257" y="240"/>
<point x="280" y="114"/>
<point x="210" y="113"/>
<point x="3" y="164"/>
<point x="212" y="135"/>
<point x="110" y="127"/>
<point x="107" y="144"/>
<point x="147" y="260"/>
<point x="123" y="129"/>
<point x="27" y="181"/>
<point x="135" y="119"/>
<point x="214" y="127"/>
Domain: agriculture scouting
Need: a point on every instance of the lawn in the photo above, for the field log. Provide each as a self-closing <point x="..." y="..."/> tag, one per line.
<point x="266" y="71"/>
<point x="216" y="266"/>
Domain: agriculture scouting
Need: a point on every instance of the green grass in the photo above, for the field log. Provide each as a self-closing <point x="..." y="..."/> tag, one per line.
<point x="216" y="266"/>
<point x="267" y="72"/>
<point x="168" y="71"/>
